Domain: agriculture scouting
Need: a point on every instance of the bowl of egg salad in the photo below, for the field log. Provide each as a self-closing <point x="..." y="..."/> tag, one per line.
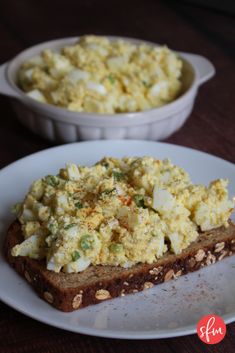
<point x="96" y="87"/>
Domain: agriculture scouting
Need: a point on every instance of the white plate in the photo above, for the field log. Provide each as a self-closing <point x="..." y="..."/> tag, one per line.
<point x="167" y="310"/>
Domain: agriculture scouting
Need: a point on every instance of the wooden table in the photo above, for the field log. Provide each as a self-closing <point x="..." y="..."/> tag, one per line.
<point x="210" y="128"/>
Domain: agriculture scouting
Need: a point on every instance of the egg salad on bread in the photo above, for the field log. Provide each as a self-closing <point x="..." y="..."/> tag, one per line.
<point x="119" y="212"/>
<point x="101" y="75"/>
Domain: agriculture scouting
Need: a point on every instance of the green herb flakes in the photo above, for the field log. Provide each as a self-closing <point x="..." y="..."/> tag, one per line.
<point x="118" y="175"/>
<point x="139" y="201"/>
<point x="68" y="226"/>
<point x="78" y="204"/>
<point x="52" y="180"/>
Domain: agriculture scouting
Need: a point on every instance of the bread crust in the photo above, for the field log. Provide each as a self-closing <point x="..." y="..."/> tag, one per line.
<point x="68" y="292"/>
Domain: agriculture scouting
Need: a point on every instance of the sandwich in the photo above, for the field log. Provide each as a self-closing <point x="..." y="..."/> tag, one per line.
<point x="89" y="234"/>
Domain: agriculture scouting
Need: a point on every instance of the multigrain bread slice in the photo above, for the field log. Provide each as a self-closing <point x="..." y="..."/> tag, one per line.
<point x="68" y="292"/>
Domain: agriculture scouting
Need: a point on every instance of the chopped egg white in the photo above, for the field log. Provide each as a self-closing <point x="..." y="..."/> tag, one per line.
<point x="32" y="247"/>
<point x="73" y="172"/>
<point x="96" y="87"/>
<point x="77" y="266"/>
<point x="163" y="201"/>
<point x="37" y="95"/>
<point x="77" y="75"/>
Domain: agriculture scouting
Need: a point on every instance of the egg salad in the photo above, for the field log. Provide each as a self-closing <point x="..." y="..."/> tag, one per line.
<point x="119" y="212"/>
<point x="99" y="75"/>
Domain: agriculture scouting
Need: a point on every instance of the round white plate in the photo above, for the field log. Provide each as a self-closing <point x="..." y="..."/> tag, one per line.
<point x="167" y="310"/>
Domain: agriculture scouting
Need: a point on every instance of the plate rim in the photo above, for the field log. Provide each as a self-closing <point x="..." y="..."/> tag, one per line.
<point x="130" y="141"/>
<point x="117" y="334"/>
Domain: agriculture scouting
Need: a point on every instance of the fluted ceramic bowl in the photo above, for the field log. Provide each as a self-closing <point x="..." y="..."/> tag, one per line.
<point x="62" y="125"/>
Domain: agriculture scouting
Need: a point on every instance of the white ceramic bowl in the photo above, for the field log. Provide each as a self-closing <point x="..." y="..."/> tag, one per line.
<point x="62" y="125"/>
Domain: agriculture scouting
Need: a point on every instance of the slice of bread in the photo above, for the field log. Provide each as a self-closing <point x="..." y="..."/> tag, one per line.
<point x="69" y="292"/>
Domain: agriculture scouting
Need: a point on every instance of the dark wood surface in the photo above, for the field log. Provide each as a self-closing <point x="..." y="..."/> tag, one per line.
<point x="210" y="128"/>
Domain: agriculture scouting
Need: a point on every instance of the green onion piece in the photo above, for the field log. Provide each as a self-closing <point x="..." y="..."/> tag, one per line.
<point x="118" y="175"/>
<point x="68" y="226"/>
<point x="111" y="79"/>
<point x="78" y="204"/>
<point x="52" y="180"/>
<point x="75" y="255"/>
<point x="146" y="84"/>
<point x="85" y="242"/>
<point x="116" y="247"/>
<point x="139" y="201"/>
